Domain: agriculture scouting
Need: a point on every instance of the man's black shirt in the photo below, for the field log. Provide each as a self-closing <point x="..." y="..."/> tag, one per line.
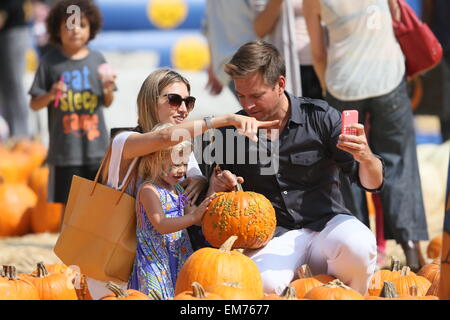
<point x="304" y="187"/>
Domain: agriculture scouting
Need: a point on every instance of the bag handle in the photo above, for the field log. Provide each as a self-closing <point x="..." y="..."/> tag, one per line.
<point x="100" y="169"/>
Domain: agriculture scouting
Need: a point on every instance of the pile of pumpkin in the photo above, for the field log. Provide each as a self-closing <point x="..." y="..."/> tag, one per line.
<point x="234" y="220"/>
<point x="23" y="190"/>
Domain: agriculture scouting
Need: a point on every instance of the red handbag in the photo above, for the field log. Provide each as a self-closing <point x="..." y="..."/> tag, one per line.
<point x="420" y="46"/>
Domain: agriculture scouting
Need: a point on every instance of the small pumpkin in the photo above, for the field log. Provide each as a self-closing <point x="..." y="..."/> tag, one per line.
<point x="45" y="216"/>
<point x="432" y="271"/>
<point x="434" y="247"/>
<point x="211" y="266"/>
<point x="334" y="290"/>
<point x="120" y="294"/>
<point x="52" y="286"/>
<point x="408" y="279"/>
<point x="197" y="293"/>
<point x="388" y="292"/>
<point x="306" y="281"/>
<point x="383" y="275"/>
<point x="15" y="288"/>
<point x="289" y="293"/>
<point x="248" y="215"/>
<point x="15" y="200"/>
<point x="34" y="149"/>
<point x="413" y="294"/>
<point x="234" y="291"/>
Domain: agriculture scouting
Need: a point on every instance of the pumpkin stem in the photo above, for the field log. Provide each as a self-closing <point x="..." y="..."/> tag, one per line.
<point x="41" y="270"/>
<point x="289" y="293"/>
<point x="388" y="290"/>
<point x="336" y="284"/>
<point x="228" y="244"/>
<point x="395" y="264"/>
<point x="117" y="290"/>
<point x="405" y="271"/>
<point x="198" y="291"/>
<point x="304" y="272"/>
<point x="11" y="273"/>
<point x="414" y="291"/>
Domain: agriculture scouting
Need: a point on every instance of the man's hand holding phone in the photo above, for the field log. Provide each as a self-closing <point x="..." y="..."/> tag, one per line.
<point x="353" y="137"/>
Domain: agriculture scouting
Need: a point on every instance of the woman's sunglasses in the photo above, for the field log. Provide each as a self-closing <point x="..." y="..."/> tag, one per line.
<point x="175" y="100"/>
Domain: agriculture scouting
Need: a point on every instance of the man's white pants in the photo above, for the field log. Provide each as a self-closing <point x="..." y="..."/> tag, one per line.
<point x="345" y="249"/>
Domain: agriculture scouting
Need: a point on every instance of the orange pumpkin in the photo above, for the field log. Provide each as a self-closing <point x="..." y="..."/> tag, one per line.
<point x="408" y="279"/>
<point x="334" y="290"/>
<point x="414" y="295"/>
<point x="381" y="276"/>
<point x="15" y="166"/>
<point x="35" y="150"/>
<point x="306" y="281"/>
<point x="211" y="266"/>
<point x="432" y="271"/>
<point x="15" y="200"/>
<point x="434" y="247"/>
<point x="119" y="294"/>
<point x="45" y="216"/>
<point x="248" y="215"/>
<point x="234" y="291"/>
<point x="289" y="293"/>
<point x="52" y="286"/>
<point x="390" y="293"/>
<point x="197" y="293"/>
<point x="15" y="288"/>
<point x="73" y="275"/>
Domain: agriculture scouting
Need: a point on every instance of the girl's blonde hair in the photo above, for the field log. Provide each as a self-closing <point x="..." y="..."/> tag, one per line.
<point x="151" y="166"/>
<point x="147" y="100"/>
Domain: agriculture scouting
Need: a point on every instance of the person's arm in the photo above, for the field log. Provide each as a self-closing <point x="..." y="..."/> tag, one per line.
<point x="214" y="86"/>
<point x="149" y="197"/>
<point x="370" y="167"/>
<point x="141" y="144"/>
<point x="41" y="101"/>
<point x="311" y="9"/>
<point x="266" y="20"/>
<point x="395" y="10"/>
<point x="108" y="92"/>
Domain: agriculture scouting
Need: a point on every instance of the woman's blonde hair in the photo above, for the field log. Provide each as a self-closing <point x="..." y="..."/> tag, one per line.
<point x="147" y="100"/>
<point x="151" y="166"/>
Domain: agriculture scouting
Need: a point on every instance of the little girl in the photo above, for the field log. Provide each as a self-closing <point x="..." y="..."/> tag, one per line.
<point x="162" y="240"/>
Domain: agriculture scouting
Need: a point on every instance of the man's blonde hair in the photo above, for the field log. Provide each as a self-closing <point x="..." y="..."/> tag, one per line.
<point x="152" y="165"/>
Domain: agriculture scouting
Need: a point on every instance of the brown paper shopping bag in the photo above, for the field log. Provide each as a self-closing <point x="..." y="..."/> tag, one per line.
<point x="99" y="230"/>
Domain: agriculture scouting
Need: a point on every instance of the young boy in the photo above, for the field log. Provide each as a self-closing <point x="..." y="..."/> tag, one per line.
<point x="71" y="85"/>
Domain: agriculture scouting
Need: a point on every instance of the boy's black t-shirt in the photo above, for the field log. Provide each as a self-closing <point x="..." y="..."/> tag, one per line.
<point x="77" y="129"/>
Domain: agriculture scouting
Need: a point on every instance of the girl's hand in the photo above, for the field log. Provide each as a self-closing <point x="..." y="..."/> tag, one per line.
<point x="198" y="211"/>
<point x="248" y="126"/>
<point x="193" y="187"/>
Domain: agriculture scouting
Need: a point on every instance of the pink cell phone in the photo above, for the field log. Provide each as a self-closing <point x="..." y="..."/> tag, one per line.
<point x="349" y="117"/>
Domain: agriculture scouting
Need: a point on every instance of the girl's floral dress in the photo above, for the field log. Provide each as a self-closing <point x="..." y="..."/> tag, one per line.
<point x="159" y="257"/>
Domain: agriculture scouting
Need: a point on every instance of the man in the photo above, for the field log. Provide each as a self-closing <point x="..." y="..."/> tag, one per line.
<point x="313" y="226"/>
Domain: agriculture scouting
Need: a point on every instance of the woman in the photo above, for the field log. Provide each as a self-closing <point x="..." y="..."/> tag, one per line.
<point x="363" y="68"/>
<point x="164" y="97"/>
